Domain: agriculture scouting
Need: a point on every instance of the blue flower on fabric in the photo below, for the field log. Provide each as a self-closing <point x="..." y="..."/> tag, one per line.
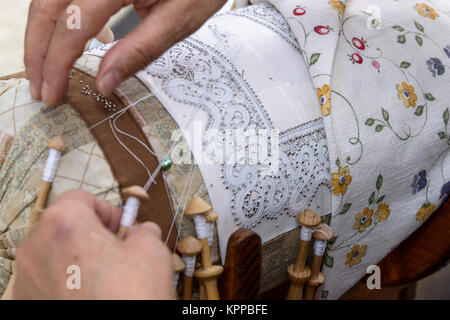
<point x="436" y="67"/>
<point x="445" y="191"/>
<point x="447" y="51"/>
<point x="420" y="181"/>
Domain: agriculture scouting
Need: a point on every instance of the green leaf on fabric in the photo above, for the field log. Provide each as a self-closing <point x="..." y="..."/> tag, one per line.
<point x="429" y="97"/>
<point x="338" y="162"/>
<point x="369" y="122"/>
<point x="446" y="116"/>
<point x="324" y="294"/>
<point x="419" y="110"/>
<point x="379" y="127"/>
<point x="345" y="208"/>
<point x="419" y="26"/>
<point x="328" y="261"/>
<point x="372" y="198"/>
<point x="314" y="58"/>
<point x="419" y="40"/>
<point x="401" y="39"/>
<point x="379" y="181"/>
<point x="332" y="240"/>
<point x="405" y="65"/>
<point x="385" y="114"/>
<point x="441" y="134"/>
<point x="380" y="199"/>
<point x="398" y="28"/>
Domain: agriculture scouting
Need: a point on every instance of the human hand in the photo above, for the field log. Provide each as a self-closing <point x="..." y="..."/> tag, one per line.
<point x="78" y="230"/>
<point x="51" y="48"/>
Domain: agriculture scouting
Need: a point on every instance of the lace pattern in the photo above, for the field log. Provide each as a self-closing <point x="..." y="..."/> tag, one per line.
<point x="195" y="74"/>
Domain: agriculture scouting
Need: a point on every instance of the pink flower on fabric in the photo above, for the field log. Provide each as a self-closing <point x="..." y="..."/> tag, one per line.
<point x="376" y="64"/>
<point x="356" y="58"/>
<point x="322" y="30"/>
<point x="358" y="43"/>
<point x="299" y="11"/>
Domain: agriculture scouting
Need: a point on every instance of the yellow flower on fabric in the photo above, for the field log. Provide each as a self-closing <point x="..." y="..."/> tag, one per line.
<point x="363" y="220"/>
<point x="406" y="94"/>
<point x="324" y="96"/>
<point x="340" y="180"/>
<point x="425" y="211"/>
<point x="355" y="256"/>
<point x="426" y="11"/>
<point x="338" y="5"/>
<point x="383" y="212"/>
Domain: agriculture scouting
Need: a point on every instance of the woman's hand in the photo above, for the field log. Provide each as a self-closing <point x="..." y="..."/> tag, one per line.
<point x="51" y="47"/>
<point x="77" y="230"/>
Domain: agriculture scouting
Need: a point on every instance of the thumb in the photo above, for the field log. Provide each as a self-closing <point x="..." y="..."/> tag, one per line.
<point x="144" y="232"/>
<point x="166" y="23"/>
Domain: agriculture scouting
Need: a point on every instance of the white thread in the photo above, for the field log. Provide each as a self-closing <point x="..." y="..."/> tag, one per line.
<point x="210" y="233"/>
<point x="51" y="165"/>
<point x="305" y="233"/>
<point x="201" y="226"/>
<point x="176" y="276"/>
<point x="190" y="175"/>
<point x="190" y="265"/>
<point x="108" y="117"/>
<point x="319" y="247"/>
<point x="130" y="211"/>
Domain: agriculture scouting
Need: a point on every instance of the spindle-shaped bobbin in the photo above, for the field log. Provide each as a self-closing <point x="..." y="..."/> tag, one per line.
<point x="298" y="272"/>
<point x="178" y="266"/>
<point x="135" y="194"/>
<point x="200" y="209"/>
<point x="321" y="235"/>
<point x="189" y="247"/>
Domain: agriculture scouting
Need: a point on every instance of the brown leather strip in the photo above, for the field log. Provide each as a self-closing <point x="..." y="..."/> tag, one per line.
<point x="126" y="169"/>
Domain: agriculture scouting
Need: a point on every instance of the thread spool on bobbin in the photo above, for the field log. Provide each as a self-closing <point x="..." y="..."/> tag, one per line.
<point x="299" y="273"/>
<point x="208" y="274"/>
<point x="56" y="148"/>
<point x="135" y="194"/>
<point x="189" y="247"/>
<point x="321" y="235"/>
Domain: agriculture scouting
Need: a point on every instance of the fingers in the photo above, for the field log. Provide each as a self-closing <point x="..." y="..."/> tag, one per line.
<point x="42" y="17"/>
<point x="147" y="231"/>
<point x="77" y="203"/>
<point x="68" y="44"/>
<point x="167" y="22"/>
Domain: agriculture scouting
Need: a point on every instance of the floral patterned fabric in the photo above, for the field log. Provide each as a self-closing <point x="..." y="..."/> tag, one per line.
<point x="382" y="80"/>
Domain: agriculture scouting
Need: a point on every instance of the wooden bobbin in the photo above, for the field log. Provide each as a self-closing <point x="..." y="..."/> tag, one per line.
<point x="132" y="192"/>
<point x="209" y="273"/>
<point x="58" y="144"/>
<point x="178" y="266"/>
<point x="322" y="233"/>
<point x="299" y="273"/>
<point x="189" y="247"/>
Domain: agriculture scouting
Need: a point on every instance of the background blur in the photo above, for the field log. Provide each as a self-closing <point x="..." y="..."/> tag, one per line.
<point x="13" y="18"/>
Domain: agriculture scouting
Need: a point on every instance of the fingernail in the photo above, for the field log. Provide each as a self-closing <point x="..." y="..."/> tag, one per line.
<point x="34" y="92"/>
<point x="110" y="82"/>
<point x="45" y="94"/>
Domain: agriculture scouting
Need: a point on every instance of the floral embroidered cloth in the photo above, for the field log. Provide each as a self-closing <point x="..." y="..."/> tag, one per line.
<point x="381" y="74"/>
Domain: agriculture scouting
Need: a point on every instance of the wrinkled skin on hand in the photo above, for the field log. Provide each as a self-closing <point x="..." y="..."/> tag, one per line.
<point x="78" y="229"/>
<point x="51" y="47"/>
